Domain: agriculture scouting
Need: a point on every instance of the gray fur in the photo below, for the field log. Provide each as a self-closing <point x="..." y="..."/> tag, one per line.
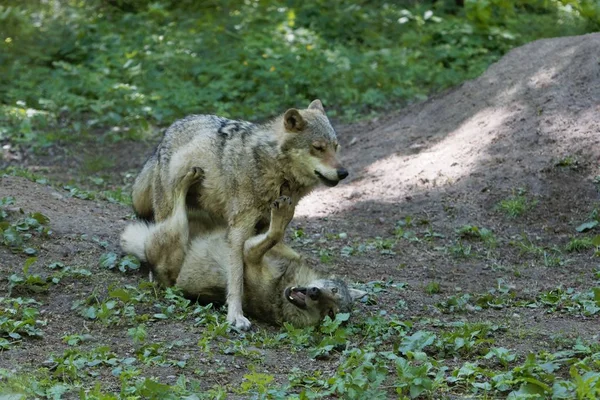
<point x="246" y="167"/>
<point x="270" y="267"/>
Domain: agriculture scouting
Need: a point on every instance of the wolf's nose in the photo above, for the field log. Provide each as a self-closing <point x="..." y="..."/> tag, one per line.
<point x="314" y="292"/>
<point x="342" y="173"/>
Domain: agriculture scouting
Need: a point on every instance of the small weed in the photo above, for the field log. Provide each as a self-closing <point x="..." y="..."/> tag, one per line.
<point x="465" y="340"/>
<point x="27" y="282"/>
<point x="586" y="303"/>
<point x="517" y="204"/>
<point x="256" y="383"/>
<point x="127" y="263"/>
<point x="19" y="317"/>
<point x="299" y="233"/>
<point x="553" y="259"/>
<point x="527" y="246"/>
<point x="416" y="379"/>
<point x="429" y="234"/>
<point x="76" y="339"/>
<point x="432" y="288"/>
<point x="325" y="256"/>
<point x="503" y="355"/>
<point x="461" y="250"/>
<point x="579" y="244"/>
<point x="138" y="334"/>
<point x="568" y="162"/>
<point x="476" y="233"/>
<point x="76" y="192"/>
<point x="16" y="235"/>
<point x="96" y="163"/>
<point x="458" y="303"/>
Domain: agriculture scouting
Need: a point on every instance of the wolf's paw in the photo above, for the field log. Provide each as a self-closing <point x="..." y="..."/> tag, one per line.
<point x="282" y="212"/>
<point x="239" y="322"/>
<point x="282" y="203"/>
<point x="195" y="174"/>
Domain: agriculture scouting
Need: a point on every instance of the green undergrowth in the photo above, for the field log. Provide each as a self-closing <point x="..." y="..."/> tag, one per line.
<point x="102" y="191"/>
<point x="72" y="71"/>
<point x="377" y="353"/>
<point x="377" y="356"/>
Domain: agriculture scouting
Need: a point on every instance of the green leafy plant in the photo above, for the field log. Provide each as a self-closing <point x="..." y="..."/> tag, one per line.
<point x="19" y="317"/>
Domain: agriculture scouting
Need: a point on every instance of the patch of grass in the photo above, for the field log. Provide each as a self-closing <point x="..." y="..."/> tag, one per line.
<point x="466" y="339"/>
<point x="117" y="195"/>
<point x="432" y="288"/>
<point x="477" y="233"/>
<point x="579" y="244"/>
<point x="517" y="204"/>
<point x="96" y="163"/>
<point x="551" y="257"/>
<point x="568" y="162"/>
<point x="461" y="250"/>
<point x="325" y="256"/>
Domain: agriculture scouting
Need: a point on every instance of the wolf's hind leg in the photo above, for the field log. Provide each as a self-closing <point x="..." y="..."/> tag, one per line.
<point x="141" y="193"/>
<point x="167" y="247"/>
<point x="282" y="212"/>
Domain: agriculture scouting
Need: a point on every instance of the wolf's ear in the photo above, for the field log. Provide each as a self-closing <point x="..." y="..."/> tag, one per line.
<point x="356" y="294"/>
<point x="293" y="121"/>
<point x="316" y="105"/>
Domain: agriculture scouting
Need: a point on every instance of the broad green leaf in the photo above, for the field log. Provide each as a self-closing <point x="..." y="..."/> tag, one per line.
<point x="120" y="294"/>
<point x="41" y="218"/>
<point x="416" y="342"/>
<point x="129" y="262"/>
<point x="108" y="260"/>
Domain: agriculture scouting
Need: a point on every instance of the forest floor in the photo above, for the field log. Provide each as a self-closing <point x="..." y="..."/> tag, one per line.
<point x="471" y="219"/>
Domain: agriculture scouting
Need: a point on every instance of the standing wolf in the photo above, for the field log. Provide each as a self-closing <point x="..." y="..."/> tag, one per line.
<point x="278" y="286"/>
<point x="246" y="167"/>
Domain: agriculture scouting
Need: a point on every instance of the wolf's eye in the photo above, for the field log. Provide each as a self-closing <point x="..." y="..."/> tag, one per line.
<point x="318" y="147"/>
<point x="331" y="314"/>
<point x="334" y="290"/>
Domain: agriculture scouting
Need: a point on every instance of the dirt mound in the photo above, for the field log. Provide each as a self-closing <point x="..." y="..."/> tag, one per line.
<point x="537" y="106"/>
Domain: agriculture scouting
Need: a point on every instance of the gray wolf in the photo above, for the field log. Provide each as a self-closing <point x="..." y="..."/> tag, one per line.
<point x="246" y="167"/>
<point x="278" y="286"/>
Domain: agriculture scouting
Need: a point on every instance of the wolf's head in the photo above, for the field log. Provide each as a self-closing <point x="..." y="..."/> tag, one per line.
<point x="311" y="146"/>
<point x="307" y="306"/>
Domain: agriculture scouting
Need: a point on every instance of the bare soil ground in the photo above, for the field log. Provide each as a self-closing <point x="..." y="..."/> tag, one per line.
<point x="527" y="129"/>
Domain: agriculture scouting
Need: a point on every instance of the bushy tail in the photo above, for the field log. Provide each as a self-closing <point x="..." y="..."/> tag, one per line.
<point x="134" y="238"/>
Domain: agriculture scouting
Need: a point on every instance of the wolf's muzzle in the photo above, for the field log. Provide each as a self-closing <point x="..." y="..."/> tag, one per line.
<point x="314" y="293"/>
<point x="342" y="173"/>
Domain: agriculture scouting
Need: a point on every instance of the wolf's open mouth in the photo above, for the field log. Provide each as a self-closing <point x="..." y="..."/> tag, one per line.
<point x="327" y="182"/>
<point x="296" y="296"/>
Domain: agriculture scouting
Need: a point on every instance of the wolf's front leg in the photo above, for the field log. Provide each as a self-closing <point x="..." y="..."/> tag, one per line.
<point x="282" y="212"/>
<point x="237" y="236"/>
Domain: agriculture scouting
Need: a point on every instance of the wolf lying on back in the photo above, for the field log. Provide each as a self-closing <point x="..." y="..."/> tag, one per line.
<point x="278" y="286"/>
<point x="245" y="166"/>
